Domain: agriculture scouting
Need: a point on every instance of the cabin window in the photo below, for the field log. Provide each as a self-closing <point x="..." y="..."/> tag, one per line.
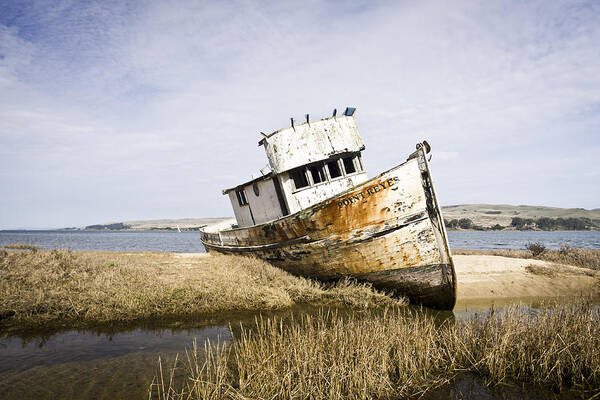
<point x="359" y="163"/>
<point x="334" y="169"/>
<point x="349" y="165"/>
<point x="241" y="197"/>
<point x="299" y="177"/>
<point x="318" y="174"/>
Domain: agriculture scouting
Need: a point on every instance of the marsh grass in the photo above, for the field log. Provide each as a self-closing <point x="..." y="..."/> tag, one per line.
<point x="578" y="257"/>
<point x="393" y="354"/>
<point x="554" y="270"/>
<point x="47" y="287"/>
<point x="542" y="270"/>
<point x="20" y="246"/>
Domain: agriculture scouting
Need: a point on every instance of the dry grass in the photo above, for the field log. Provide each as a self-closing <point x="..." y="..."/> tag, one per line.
<point x="394" y="354"/>
<point x="20" y="246"/>
<point x="83" y="288"/>
<point x="556" y="270"/>
<point x="584" y="258"/>
<point x="543" y="270"/>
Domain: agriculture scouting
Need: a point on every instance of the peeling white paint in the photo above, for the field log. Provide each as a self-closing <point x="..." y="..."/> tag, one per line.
<point x="303" y="144"/>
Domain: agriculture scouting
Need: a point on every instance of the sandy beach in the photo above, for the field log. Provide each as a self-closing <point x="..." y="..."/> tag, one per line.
<point x="495" y="277"/>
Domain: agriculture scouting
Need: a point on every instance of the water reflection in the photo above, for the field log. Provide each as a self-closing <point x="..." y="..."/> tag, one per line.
<point x="469" y="386"/>
<point x="86" y="364"/>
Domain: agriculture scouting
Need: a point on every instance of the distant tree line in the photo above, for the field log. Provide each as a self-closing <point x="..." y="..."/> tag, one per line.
<point x="544" y="223"/>
<point x="116" y="226"/>
<point x="119" y="226"/>
<point x="463" y="223"/>
<point x="549" y="224"/>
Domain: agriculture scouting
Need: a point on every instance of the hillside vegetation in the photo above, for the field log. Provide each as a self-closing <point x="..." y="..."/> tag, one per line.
<point x="519" y="217"/>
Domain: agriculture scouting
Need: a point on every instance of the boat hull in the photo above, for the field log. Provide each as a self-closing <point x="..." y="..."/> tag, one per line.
<point x="387" y="231"/>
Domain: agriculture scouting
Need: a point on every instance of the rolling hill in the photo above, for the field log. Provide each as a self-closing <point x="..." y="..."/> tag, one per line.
<point x="487" y="215"/>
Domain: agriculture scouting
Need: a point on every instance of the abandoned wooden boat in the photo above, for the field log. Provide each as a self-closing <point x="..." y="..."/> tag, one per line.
<point x="316" y="214"/>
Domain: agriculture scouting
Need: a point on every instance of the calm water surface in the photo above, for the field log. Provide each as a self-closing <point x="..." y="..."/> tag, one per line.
<point x="491" y="240"/>
<point x="169" y="241"/>
<point x="93" y="365"/>
<point x="189" y="241"/>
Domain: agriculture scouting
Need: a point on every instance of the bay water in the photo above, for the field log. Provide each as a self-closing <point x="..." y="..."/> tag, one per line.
<point x="189" y="241"/>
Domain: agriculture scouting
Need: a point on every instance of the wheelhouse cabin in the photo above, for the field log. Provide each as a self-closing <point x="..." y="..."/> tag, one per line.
<point x="308" y="163"/>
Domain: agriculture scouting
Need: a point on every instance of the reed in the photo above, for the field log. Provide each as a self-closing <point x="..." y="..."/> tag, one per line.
<point x="86" y="288"/>
<point x="394" y="354"/>
<point x="20" y="246"/>
<point x="557" y="347"/>
<point x="578" y="257"/>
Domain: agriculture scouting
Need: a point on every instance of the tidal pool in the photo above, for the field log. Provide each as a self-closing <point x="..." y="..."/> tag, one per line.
<point x="120" y="362"/>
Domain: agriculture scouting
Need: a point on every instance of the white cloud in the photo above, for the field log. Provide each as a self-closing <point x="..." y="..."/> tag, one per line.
<point x="141" y="104"/>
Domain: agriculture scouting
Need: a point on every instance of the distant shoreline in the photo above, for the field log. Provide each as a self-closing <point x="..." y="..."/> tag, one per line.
<point x="476" y="217"/>
<point x="483" y="217"/>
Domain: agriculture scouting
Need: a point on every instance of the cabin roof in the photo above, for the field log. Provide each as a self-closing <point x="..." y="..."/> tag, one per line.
<point x="348" y="113"/>
<point x="250" y="182"/>
<point x="265" y="137"/>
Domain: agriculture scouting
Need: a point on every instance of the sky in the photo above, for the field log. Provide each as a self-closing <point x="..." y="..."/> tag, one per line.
<point x="115" y="111"/>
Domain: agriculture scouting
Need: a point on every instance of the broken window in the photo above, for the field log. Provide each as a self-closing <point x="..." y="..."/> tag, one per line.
<point x="334" y="169"/>
<point x="317" y="173"/>
<point x="349" y="165"/>
<point x="299" y="177"/>
<point x="241" y="197"/>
